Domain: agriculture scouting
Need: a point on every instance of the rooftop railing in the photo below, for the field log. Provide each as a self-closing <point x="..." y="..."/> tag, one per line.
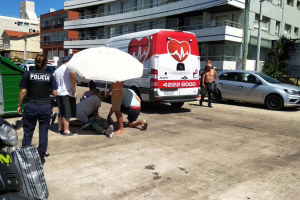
<point x="219" y="58"/>
<point x="132" y="9"/>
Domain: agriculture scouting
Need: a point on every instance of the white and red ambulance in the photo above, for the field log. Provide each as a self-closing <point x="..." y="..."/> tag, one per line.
<point x="171" y="64"/>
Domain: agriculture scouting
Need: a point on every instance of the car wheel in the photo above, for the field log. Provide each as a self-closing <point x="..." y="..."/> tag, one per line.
<point x="274" y="102"/>
<point x="177" y="105"/>
<point x="216" y="97"/>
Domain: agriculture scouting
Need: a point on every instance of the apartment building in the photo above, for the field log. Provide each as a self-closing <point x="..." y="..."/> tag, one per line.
<point x="53" y="33"/>
<point x="28" y="22"/>
<point x="217" y="24"/>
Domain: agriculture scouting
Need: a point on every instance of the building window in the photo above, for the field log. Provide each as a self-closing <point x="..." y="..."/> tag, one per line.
<point x="125" y="7"/>
<point x="279" y="3"/>
<point x="112" y="32"/>
<point x="264" y="25"/>
<point x="139" y="4"/>
<point x="125" y="30"/>
<point x="277" y="30"/>
<point x="287" y="29"/>
<point x="298" y="5"/>
<point x="26" y="24"/>
<point x="59" y="20"/>
<point x="296" y="32"/>
<point x="112" y="9"/>
<point x="290" y="2"/>
<point x="46" y="39"/>
<point x="138" y="27"/>
<point x="20" y="23"/>
<point x="46" y="23"/>
<point x="154" y="25"/>
<point x="60" y="37"/>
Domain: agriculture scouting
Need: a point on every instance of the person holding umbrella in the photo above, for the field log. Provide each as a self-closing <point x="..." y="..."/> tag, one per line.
<point x="116" y="100"/>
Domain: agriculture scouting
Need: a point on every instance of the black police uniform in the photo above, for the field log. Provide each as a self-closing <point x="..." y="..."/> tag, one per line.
<point x="39" y="84"/>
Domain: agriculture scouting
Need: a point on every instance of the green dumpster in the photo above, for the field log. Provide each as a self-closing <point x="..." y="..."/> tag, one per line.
<point x="10" y="77"/>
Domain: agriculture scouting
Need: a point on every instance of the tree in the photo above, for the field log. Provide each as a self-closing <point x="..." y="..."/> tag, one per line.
<point x="278" y="57"/>
<point x="17" y="60"/>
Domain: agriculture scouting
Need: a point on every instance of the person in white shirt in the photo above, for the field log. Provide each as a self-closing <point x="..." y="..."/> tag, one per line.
<point x="66" y="82"/>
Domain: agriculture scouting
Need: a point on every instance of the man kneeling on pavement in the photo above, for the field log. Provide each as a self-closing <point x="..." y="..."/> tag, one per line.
<point x="88" y="108"/>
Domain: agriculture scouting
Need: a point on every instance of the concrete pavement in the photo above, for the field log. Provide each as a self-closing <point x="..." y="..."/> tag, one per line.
<point x="233" y="151"/>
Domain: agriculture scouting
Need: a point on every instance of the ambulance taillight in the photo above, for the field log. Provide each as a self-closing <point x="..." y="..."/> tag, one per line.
<point x="154" y="78"/>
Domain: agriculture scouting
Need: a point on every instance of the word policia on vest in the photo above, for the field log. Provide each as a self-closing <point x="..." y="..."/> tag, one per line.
<point x="40" y="77"/>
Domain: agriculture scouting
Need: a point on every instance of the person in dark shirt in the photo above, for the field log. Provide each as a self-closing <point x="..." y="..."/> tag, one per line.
<point x="36" y="86"/>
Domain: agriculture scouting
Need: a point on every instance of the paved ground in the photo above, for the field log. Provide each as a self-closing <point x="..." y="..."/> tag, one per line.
<point x="233" y="151"/>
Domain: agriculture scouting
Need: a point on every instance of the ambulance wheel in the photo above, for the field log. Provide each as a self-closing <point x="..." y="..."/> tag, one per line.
<point x="177" y="105"/>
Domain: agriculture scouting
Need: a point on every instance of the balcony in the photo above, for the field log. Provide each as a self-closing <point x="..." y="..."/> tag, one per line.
<point x="46" y="28"/>
<point x="51" y="43"/>
<point x="149" y="11"/>
<point x="61" y="25"/>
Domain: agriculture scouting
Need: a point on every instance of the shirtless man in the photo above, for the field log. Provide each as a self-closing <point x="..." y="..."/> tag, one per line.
<point x="207" y="79"/>
<point x="116" y="100"/>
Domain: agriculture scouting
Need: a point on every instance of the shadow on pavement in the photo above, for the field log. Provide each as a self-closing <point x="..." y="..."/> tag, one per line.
<point x="256" y="106"/>
<point x="160" y="108"/>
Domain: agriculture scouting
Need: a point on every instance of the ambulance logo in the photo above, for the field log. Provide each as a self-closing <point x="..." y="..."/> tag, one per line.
<point x="139" y="49"/>
<point x="179" y="50"/>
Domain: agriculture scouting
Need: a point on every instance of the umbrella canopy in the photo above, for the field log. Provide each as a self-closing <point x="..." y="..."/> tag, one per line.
<point x="106" y="64"/>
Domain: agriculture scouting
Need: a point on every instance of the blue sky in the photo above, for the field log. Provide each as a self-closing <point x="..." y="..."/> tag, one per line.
<point x="11" y="8"/>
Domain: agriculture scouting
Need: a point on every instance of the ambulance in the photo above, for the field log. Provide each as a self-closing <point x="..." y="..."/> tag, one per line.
<point x="171" y="64"/>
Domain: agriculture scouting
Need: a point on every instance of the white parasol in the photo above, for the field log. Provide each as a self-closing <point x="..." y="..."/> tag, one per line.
<point x="106" y="64"/>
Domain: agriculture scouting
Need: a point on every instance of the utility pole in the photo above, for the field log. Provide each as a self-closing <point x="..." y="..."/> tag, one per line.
<point x="246" y="28"/>
<point x="25" y="47"/>
<point x="258" y="36"/>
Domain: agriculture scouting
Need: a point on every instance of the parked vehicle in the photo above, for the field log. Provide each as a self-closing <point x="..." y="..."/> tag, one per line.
<point x="171" y="65"/>
<point x="81" y="79"/>
<point x="256" y="87"/>
<point x="11" y="182"/>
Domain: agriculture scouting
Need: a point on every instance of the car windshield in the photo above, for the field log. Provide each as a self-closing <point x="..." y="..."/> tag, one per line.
<point x="267" y="78"/>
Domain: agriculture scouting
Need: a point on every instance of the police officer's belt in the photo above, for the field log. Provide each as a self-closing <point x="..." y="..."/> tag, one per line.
<point x="37" y="101"/>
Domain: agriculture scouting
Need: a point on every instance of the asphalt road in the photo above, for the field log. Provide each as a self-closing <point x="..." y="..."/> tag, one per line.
<point x="232" y="151"/>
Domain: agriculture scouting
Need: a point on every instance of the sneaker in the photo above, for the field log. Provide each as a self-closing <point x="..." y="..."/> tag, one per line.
<point x="109" y="133"/>
<point x="68" y="134"/>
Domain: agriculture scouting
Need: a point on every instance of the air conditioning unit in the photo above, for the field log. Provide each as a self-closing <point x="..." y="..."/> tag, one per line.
<point x="30" y="30"/>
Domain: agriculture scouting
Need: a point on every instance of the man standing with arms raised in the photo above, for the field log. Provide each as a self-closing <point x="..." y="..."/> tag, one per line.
<point x="207" y="79"/>
<point x="66" y="82"/>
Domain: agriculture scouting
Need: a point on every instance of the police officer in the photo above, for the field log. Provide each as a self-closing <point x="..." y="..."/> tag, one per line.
<point x="36" y="86"/>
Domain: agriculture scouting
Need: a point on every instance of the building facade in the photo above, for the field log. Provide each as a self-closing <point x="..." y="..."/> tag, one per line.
<point x="28" y="22"/>
<point x="217" y="24"/>
<point x="15" y="44"/>
<point x="53" y="33"/>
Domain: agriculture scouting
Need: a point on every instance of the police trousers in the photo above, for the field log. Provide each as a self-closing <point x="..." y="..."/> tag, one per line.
<point x="34" y="112"/>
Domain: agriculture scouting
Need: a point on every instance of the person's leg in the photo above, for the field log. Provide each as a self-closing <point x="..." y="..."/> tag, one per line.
<point x="29" y="120"/>
<point x="120" y="123"/>
<point x="44" y="121"/>
<point x="67" y="115"/>
<point x="60" y="124"/>
<point x="204" y="91"/>
<point x="60" y="106"/>
<point x="209" y="98"/>
<point x="109" y="119"/>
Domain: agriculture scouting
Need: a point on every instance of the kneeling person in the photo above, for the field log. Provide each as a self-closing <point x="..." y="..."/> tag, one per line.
<point x="88" y="108"/>
<point x="131" y="105"/>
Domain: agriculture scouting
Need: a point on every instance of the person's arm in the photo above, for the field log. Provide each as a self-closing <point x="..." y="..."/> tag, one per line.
<point x="108" y="92"/>
<point x="138" y="99"/>
<point x="21" y="98"/>
<point x="95" y="112"/>
<point x="73" y="82"/>
<point x="54" y="86"/>
<point x="203" y="80"/>
<point x="216" y="75"/>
